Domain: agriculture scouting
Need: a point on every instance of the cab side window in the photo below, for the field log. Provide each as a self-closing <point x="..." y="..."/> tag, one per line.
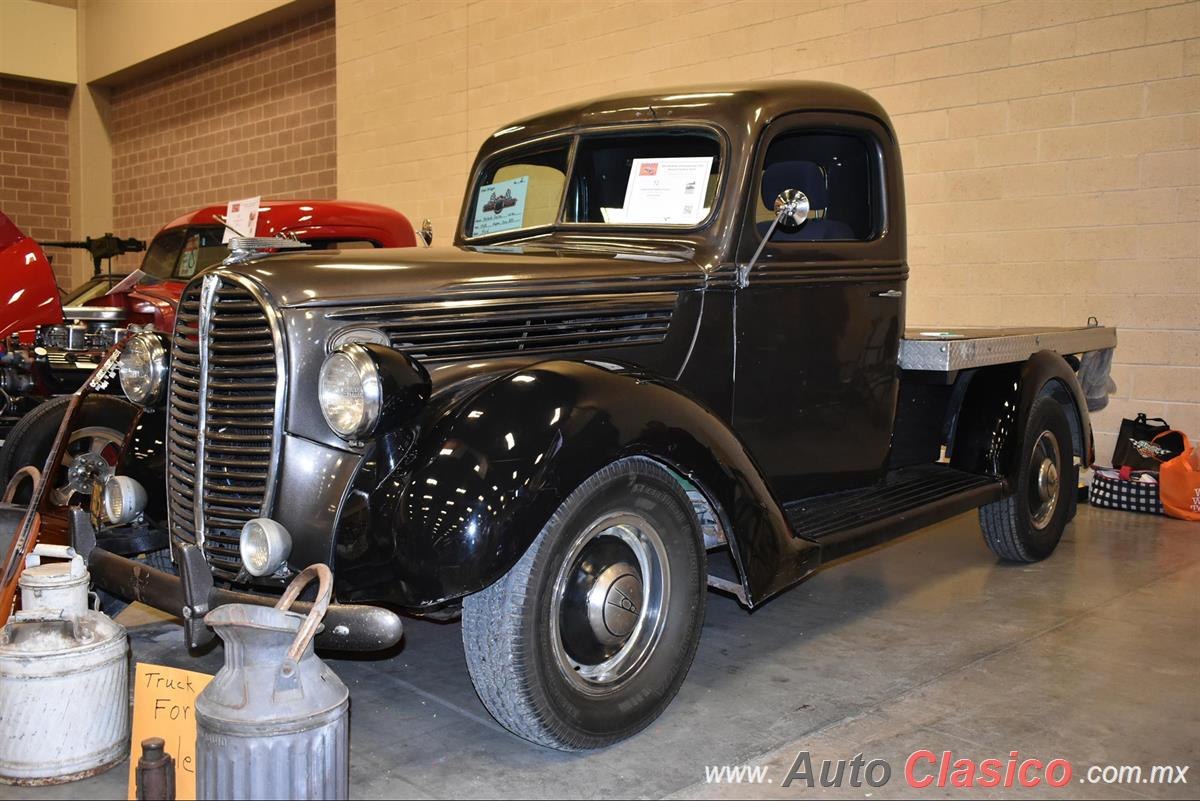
<point x="838" y="172"/>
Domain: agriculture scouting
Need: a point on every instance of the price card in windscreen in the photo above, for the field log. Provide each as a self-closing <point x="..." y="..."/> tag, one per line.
<point x="500" y="206"/>
<point x="667" y="191"/>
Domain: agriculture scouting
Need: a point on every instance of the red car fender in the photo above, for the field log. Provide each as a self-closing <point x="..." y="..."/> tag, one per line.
<point x="28" y="291"/>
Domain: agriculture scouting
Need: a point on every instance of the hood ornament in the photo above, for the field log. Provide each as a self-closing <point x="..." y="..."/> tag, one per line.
<point x="244" y="248"/>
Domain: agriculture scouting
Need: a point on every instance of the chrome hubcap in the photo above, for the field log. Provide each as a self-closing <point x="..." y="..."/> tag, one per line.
<point x="1044" y="479"/>
<point x="610" y="602"/>
<point x="615" y="603"/>
<point x="90" y="455"/>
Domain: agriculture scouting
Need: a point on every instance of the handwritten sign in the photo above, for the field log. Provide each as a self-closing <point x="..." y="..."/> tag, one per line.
<point x="164" y="700"/>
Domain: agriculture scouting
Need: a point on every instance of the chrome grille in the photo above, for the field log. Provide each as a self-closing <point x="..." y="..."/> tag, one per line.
<point x="448" y="331"/>
<point x="222" y="424"/>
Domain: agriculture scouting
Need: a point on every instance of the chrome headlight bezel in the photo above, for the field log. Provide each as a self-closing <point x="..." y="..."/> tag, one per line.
<point x="264" y="546"/>
<point x="151" y="369"/>
<point x="354" y="362"/>
<point x="123" y="500"/>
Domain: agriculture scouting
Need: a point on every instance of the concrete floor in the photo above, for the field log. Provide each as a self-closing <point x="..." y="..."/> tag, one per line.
<point x="929" y="643"/>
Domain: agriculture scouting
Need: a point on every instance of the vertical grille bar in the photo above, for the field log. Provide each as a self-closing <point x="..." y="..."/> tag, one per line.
<point x="224" y="418"/>
<point x="208" y="294"/>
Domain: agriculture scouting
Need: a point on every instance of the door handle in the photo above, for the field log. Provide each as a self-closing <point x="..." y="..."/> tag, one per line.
<point x="890" y="293"/>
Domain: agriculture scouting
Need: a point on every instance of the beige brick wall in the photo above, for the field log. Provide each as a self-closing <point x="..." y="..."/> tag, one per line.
<point x="35" y="190"/>
<point x="1052" y="149"/>
<point x="254" y="117"/>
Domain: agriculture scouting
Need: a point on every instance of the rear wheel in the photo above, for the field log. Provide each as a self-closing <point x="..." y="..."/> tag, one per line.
<point x="1027" y="525"/>
<point x="92" y="447"/>
<point x="588" y="637"/>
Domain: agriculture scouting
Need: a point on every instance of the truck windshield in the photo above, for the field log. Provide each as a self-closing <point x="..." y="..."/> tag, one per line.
<point x="180" y="253"/>
<point x="657" y="178"/>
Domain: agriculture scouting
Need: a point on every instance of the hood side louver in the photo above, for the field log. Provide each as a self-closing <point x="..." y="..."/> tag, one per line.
<point x="492" y="328"/>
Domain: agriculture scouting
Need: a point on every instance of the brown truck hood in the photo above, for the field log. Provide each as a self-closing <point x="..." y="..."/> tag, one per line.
<point x="369" y="277"/>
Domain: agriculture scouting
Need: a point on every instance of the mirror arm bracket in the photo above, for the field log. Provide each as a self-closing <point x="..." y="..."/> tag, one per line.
<point x="743" y="273"/>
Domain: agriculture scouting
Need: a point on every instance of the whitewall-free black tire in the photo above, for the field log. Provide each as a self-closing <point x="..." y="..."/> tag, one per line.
<point x="588" y="637"/>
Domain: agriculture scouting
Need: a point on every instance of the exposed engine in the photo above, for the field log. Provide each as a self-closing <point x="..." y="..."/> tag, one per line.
<point x="88" y="328"/>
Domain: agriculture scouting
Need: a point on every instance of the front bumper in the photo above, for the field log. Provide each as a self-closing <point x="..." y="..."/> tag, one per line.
<point x="192" y="595"/>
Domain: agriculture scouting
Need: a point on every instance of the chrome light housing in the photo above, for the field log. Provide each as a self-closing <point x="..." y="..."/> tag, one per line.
<point x="124" y="500"/>
<point x="350" y="392"/>
<point x="368" y="389"/>
<point x="265" y="546"/>
<point x="143" y="369"/>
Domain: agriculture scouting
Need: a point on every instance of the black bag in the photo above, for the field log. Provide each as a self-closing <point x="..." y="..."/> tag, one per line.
<point x="1135" y="443"/>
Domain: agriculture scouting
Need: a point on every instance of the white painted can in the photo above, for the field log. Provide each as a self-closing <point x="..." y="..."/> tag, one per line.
<point x="64" y="689"/>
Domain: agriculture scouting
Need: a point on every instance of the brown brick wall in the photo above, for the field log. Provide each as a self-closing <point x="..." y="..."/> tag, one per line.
<point x="255" y="117"/>
<point x="35" y="189"/>
<point x="1051" y="147"/>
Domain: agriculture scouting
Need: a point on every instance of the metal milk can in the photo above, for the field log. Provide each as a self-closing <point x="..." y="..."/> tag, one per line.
<point x="55" y="585"/>
<point x="64" y="678"/>
<point x="274" y="722"/>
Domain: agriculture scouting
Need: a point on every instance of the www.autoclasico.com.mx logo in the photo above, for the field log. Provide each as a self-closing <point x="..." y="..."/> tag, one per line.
<point x="928" y="769"/>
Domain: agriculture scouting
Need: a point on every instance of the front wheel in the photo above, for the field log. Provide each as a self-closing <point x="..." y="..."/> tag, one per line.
<point x="1027" y="525"/>
<point x="588" y="637"/>
<point x="92" y="447"/>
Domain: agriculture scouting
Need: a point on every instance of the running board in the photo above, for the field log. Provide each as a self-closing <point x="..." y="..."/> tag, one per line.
<point x="843" y="523"/>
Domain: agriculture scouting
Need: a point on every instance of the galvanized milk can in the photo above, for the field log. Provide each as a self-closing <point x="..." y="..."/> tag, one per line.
<point x="64" y="678"/>
<point x="274" y="721"/>
<point x="55" y="585"/>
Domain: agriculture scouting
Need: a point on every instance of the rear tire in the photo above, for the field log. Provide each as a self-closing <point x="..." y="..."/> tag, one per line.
<point x="100" y="427"/>
<point x="1027" y="525"/>
<point x="588" y="637"/>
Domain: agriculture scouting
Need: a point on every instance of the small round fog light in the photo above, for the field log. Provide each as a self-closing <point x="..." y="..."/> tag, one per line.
<point x="124" y="500"/>
<point x="265" y="546"/>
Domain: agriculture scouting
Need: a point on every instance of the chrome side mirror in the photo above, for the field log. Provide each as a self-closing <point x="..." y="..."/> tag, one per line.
<point x="426" y="232"/>
<point x="791" y="209"/>
<point x="791" y="212"/>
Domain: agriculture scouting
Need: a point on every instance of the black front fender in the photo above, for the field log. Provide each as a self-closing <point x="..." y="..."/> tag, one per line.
<point x="490" y="471"/>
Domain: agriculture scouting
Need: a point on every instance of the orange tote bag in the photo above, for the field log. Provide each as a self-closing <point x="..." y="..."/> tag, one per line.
<point x="1179" y="480"/>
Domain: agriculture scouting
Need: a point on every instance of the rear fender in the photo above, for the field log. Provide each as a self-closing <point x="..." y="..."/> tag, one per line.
<point x="490" y="471"/>
<point x="990" y="423"/>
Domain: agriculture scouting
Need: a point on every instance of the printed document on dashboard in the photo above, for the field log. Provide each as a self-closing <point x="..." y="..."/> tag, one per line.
<point x="667" y="191"/>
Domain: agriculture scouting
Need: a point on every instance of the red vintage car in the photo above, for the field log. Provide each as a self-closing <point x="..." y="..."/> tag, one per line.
<point x="68" y="343"/>
<point x="28" y="293"/>
<point x="192" y="243"/>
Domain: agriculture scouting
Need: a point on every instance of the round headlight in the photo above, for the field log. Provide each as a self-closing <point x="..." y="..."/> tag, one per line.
<point x="143" y="367"/>
<point x="124" y="500"/>
<point x="265" y="545"/>
<point x="350" y="392"/>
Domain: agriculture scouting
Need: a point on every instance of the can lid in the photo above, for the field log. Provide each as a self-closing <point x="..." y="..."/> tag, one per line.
<point x="54" y="574"/>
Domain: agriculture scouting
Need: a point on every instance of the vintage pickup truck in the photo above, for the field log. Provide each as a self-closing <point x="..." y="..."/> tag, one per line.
<point x="676" y="360"/>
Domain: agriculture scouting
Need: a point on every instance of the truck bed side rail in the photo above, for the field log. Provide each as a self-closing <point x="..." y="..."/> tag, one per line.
<point x="963" y="349"/>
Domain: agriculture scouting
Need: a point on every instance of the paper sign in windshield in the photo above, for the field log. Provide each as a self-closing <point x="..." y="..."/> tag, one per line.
<point x="667" y="191"/>
<point x="500" y="206"/>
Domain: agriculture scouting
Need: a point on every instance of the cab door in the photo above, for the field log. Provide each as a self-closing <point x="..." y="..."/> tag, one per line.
<point x="818" y="318"/>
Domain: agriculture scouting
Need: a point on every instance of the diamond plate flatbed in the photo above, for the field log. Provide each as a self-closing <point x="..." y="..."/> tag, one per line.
<point x="951" y="349"/>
